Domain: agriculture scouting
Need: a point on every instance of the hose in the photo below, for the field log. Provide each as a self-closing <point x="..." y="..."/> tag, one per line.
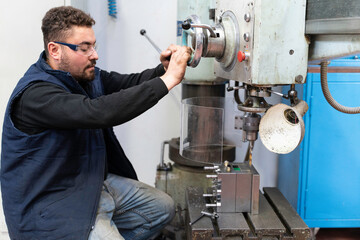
<point x="327" y="94"/>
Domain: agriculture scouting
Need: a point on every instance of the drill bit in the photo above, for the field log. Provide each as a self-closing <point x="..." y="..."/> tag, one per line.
<point x="251" y="147"/>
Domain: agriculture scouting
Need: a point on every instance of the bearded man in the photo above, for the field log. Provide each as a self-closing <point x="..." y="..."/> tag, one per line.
<point x="64" y="175"/>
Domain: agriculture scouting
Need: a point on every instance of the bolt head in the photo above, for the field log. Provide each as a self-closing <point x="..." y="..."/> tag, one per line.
<point x="299" y="79"/>
<point x="247" y="17"/>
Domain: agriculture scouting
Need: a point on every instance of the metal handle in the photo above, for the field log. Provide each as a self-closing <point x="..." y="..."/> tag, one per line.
<point x="198" y="44"/>
<point x="187" y="25"/>
<point x="143" y="33"/>
<point x="163" y="166"/>
<point x="208" y="205"/>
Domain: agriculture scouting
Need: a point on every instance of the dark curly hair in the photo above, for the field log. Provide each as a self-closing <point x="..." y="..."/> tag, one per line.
<point x="58" y="21"/>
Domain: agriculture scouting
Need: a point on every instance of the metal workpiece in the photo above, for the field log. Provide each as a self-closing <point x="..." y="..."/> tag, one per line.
<point x="255" y="193"/>
<point x="239" y="186"/>
<point x="276" y="220"/>
<point x="228" y="193"/>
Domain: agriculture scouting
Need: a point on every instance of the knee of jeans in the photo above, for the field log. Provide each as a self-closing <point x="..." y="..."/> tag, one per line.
<point x="169" y="206"/>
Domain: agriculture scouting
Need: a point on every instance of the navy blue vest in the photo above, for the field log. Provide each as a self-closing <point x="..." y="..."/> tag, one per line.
<point x="51" y="181"/>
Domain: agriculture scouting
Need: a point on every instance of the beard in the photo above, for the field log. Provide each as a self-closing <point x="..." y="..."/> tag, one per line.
<point x="80" y="75"/>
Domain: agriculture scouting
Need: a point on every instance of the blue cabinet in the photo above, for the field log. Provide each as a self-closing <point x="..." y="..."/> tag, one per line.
<point x="321" y="178"/>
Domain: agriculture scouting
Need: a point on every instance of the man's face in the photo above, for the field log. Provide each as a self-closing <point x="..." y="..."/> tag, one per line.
<point x="80" y="66"/>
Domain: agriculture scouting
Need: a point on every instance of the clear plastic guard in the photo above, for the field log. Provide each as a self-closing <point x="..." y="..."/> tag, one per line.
<point x="202" y="129"/>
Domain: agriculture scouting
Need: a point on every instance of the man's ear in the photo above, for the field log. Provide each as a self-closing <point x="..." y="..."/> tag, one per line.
<point x="54" y="51"/>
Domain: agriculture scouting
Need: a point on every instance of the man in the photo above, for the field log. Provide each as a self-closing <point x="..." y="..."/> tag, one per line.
<point x="63" y="173"/>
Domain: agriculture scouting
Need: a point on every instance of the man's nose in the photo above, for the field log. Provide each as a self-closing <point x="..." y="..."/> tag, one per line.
<point x="94" y="55"/>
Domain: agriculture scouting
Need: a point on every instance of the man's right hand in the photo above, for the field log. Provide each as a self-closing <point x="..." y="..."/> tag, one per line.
<point x="177" y="66"/>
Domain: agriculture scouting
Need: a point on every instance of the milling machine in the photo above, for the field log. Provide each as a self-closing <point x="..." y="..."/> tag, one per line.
<point x="259" y="44"/>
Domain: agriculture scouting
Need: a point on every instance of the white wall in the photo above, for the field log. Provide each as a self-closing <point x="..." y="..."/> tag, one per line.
<point x="123" y="49"/>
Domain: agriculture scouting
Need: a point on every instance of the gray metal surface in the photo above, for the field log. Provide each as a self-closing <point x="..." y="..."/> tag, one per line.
<point x="203" y="228"/>
<point x="274" y="41"/>
<point x="276" y="220"/>
<point x="324" y="9"/>
<point x="243" y="193"/>
<point x="233" y="224"/>
<point x="266" y="223"/>
<point x="228" y="192"/>
<point x="287" y="213"/>
<point x="333" y="26"/>
<point x="255" y="183"/>
<point x="326" y="47"/>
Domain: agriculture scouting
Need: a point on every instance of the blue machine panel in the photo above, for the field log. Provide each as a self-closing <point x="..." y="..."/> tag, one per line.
<point x="322" y="177"/>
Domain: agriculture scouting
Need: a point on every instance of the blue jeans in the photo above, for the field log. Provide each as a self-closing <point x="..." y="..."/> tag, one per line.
<point x="130" y="209"/>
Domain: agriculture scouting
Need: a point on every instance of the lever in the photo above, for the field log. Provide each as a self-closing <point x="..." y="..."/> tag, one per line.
<point x="143" y="33"/>
<point x="187" y="25"/>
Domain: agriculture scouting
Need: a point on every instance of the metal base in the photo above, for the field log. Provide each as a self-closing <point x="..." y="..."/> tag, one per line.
<point x="276" y="220"/>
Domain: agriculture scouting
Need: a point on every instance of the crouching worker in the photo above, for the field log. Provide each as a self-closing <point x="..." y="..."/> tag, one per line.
<point x="64" y="175"/>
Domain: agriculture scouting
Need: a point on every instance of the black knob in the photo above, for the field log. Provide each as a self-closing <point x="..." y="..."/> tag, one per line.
<point x="186" y="24"/>
<point x="142" y="31"/>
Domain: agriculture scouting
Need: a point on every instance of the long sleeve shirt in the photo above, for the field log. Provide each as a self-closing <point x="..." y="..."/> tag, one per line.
<point x="45" y="105"/>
